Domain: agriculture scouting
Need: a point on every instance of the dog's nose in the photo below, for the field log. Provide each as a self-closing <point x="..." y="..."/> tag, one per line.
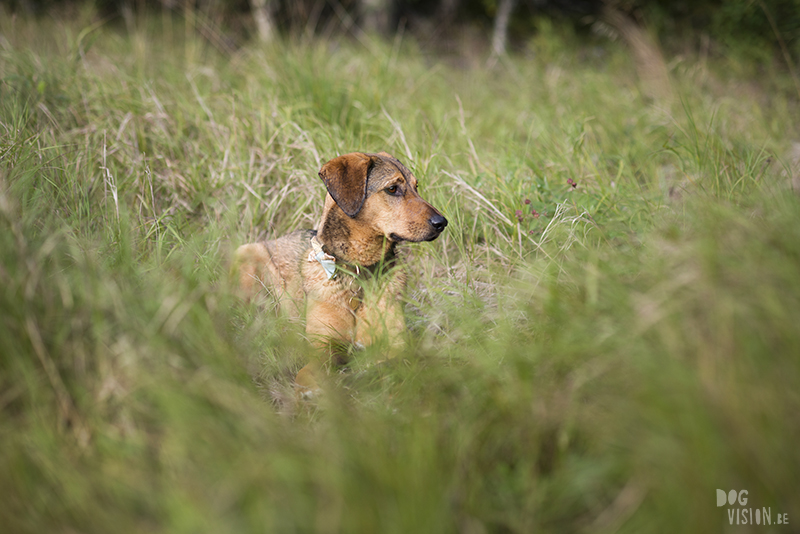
<point x="438" y="222"/>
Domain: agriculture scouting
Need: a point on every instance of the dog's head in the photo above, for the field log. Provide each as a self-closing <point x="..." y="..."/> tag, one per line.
<point x="379" y="193"/>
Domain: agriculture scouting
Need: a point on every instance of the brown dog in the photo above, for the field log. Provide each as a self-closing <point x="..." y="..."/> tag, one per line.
<point x="346" y="272"/>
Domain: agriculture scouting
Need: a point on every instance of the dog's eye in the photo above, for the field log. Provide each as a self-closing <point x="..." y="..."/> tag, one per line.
<point x="392" y="189"/>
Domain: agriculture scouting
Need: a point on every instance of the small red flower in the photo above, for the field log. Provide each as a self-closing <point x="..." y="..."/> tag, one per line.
<point x="527" y="201"/>
<point x="572" y="182"/>
<point x="519" y="215"/>
<point x="535" y="214"/>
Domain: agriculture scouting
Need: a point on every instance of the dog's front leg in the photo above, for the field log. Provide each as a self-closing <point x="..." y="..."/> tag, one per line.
<point x="382" y="323"/>
<point x="330" y="328"/>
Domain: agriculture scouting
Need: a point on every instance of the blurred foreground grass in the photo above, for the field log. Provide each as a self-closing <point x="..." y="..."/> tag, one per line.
<point x="591" y="359"/>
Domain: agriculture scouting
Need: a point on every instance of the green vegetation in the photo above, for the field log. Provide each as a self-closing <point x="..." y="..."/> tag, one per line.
<point x="602" y="365"/>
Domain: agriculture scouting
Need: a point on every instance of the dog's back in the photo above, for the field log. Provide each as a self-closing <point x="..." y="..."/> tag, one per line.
<point x="275" y="266"/>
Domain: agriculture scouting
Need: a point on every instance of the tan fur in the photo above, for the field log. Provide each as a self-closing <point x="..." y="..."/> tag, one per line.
<point x="362" y="221"/>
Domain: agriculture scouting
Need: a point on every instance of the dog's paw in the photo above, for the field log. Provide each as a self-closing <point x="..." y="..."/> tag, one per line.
<point x="308" y="394"/>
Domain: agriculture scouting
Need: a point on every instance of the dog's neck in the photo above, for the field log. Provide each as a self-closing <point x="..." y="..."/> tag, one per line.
<point x="352" y="243"/>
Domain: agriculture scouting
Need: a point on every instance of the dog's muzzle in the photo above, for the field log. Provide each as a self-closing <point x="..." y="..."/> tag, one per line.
<point x="438" y="222"/>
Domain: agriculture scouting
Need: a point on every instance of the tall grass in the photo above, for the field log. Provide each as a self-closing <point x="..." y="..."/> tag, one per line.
<point x="603" y="364"/>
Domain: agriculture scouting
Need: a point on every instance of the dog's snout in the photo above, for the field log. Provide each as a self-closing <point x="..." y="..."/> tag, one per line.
<point x="438" y="222"/>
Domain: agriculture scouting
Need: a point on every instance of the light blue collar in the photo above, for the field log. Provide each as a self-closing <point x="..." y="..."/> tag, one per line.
<point x="327" y="261"/>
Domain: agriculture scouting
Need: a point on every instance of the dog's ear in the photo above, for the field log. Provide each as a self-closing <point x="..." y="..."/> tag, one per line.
<point x="345" y="178"/>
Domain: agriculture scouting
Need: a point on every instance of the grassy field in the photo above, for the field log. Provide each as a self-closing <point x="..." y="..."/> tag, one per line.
<point x="596" y="358"/>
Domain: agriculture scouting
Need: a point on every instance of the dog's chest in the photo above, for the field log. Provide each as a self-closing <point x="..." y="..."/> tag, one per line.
<point x="353" y="291"/>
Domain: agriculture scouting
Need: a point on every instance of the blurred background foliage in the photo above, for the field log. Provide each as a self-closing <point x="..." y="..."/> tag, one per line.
<point x="755" y="28"/>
